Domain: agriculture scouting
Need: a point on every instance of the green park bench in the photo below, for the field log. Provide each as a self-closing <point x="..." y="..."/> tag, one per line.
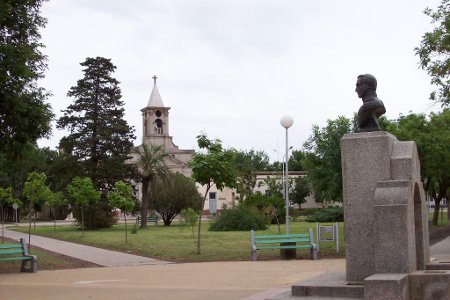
<point x="283" y="241"/>
<point x="152" y="218"/>
<point x="19" y="251"/>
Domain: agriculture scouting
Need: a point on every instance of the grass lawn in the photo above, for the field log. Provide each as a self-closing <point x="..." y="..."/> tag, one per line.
<point x="175" y="242"/>
<point x="46" y="261"/>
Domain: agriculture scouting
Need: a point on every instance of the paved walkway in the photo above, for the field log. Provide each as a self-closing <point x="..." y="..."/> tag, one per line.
<point x="133" y="277"/>
<point x="101" y="257"/>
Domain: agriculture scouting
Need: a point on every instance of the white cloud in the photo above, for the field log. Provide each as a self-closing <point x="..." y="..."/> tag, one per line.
<point x="234" y="68"/>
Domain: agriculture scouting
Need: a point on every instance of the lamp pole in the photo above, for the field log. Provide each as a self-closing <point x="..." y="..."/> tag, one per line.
<point x="286" y="122"/>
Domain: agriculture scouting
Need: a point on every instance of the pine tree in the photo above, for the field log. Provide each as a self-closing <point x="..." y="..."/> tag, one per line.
<point x="99" y="136"/>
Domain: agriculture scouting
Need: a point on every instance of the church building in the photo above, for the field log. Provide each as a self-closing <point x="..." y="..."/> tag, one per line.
<point x="155" y="124"/>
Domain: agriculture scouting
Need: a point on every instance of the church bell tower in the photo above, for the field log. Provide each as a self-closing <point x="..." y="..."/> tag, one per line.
<point x="155" y="119"/>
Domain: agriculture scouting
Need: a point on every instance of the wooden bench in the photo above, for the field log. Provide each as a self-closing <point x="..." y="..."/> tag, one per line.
<point x="283" y="241"/>
<point x="152" y="218"/>
<point x="19" y="251"/>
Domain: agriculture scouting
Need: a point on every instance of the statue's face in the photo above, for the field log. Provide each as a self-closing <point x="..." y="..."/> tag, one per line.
<point x="362" y="87"/>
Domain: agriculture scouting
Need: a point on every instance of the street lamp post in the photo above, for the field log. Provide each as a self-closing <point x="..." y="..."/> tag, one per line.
<point x="286" y="122"/>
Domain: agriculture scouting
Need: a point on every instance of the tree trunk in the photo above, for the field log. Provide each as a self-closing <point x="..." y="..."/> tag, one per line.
<point x="200" y="219"/>
<point x="126" y="228"/>
<point x="437" y="206"/>
<point x="144" y="207"/>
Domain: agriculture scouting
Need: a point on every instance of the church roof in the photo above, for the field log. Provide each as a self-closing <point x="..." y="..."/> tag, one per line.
<point x="155" y="99"/>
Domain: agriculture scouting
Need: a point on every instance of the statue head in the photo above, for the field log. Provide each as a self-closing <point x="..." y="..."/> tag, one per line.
<point x="366" y="83"/>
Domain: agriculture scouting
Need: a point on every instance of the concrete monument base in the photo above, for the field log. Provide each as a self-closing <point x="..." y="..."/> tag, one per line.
<point x="386" y="227"/>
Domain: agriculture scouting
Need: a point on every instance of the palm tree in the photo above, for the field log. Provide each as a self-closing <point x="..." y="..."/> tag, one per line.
<point x="151" y="166"/>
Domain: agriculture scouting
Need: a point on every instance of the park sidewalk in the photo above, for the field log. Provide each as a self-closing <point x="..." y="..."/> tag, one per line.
<point x="133" y="277"/>
<point x="101" y="257"/>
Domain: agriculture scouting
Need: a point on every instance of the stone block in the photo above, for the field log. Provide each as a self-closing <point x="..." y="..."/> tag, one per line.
<point x="386" y="286"/>
<point x="394" y="228"/>
<point x="366" y="160"/>
<point x="433" y="285"/>
<point x="329" y="285"/>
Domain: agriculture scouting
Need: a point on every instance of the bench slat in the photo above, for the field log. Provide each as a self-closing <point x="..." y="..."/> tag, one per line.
<point x="12" y="251"/>
<point x="16" y="258"/>
<point x="282" y="241"/>
<point x="285" y="247"/>
<point x="10" y="246"/>
<point x="296" y="235"/>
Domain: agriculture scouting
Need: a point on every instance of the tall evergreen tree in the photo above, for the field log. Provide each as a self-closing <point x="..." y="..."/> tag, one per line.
<point x="99" y="136"/>
<point x="24" y="114"/>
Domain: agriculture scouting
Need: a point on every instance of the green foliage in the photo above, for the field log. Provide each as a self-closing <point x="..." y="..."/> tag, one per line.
<point x="55" y="201"/>
<point x="241" y="218"/>
<point x="274" y="185"/>
<point x="329" y="214"/>
<point x="35" y="189"/>
<point x="84" y="194"/>
<point x="172" y="244"/>
<point x="301" y="190"/>
<point x="37" y="192"/>
<point x="151" y="168"/>
<point x="99" y="136"/>
<point x="24" y="114"/>
<point x="60" y="169"/>
<point x="247" y="164"/>
<point x="323" y="159"/>
<point x="189" y="218"/>
<point x="272" y="207"/>
<point x="432" y="136"/>
<point x="6" y="198"/>
<point x="99" y="139"/>
<point x="215" y="167"/>
<point x="434" y="52"/>
<point x="174" y="196"/>
<point x="295" y="160"/>
<point x="121" y="197"/>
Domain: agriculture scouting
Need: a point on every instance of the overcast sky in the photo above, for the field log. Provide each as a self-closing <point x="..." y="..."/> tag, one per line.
<point x="233" y="68"/>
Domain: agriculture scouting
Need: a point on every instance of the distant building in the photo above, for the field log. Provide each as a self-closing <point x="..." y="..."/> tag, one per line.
<point x="155" y="123"/>
<point x="217" y="199"/>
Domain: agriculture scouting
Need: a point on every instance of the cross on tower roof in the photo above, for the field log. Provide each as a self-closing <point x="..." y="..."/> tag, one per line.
<point x="154" y="79"/>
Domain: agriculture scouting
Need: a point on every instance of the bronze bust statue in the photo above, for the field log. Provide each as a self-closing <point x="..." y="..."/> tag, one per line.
<point x="372" y="107"/>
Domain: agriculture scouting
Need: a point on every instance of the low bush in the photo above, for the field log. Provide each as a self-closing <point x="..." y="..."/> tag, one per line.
<point x="239" y="219"/>
<point x="272" y="208"/>
<point x="330" y="214"/>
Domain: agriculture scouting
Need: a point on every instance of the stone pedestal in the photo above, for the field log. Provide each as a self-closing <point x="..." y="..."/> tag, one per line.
<point x="386" y="229"/>
<point x="366" y="159"/>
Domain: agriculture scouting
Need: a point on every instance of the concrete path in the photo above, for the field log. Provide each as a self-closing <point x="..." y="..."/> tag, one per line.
<point x="133" y="277"/>
<point x="441" y="250"/>
<point x="197" y="281"/>
<point x="101" y="257"/>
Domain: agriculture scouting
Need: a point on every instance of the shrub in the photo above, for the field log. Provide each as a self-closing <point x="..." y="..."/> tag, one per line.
<point x="330" y="214"/>
<point x="239" y="219"/>
<point x="273" y="207"/>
